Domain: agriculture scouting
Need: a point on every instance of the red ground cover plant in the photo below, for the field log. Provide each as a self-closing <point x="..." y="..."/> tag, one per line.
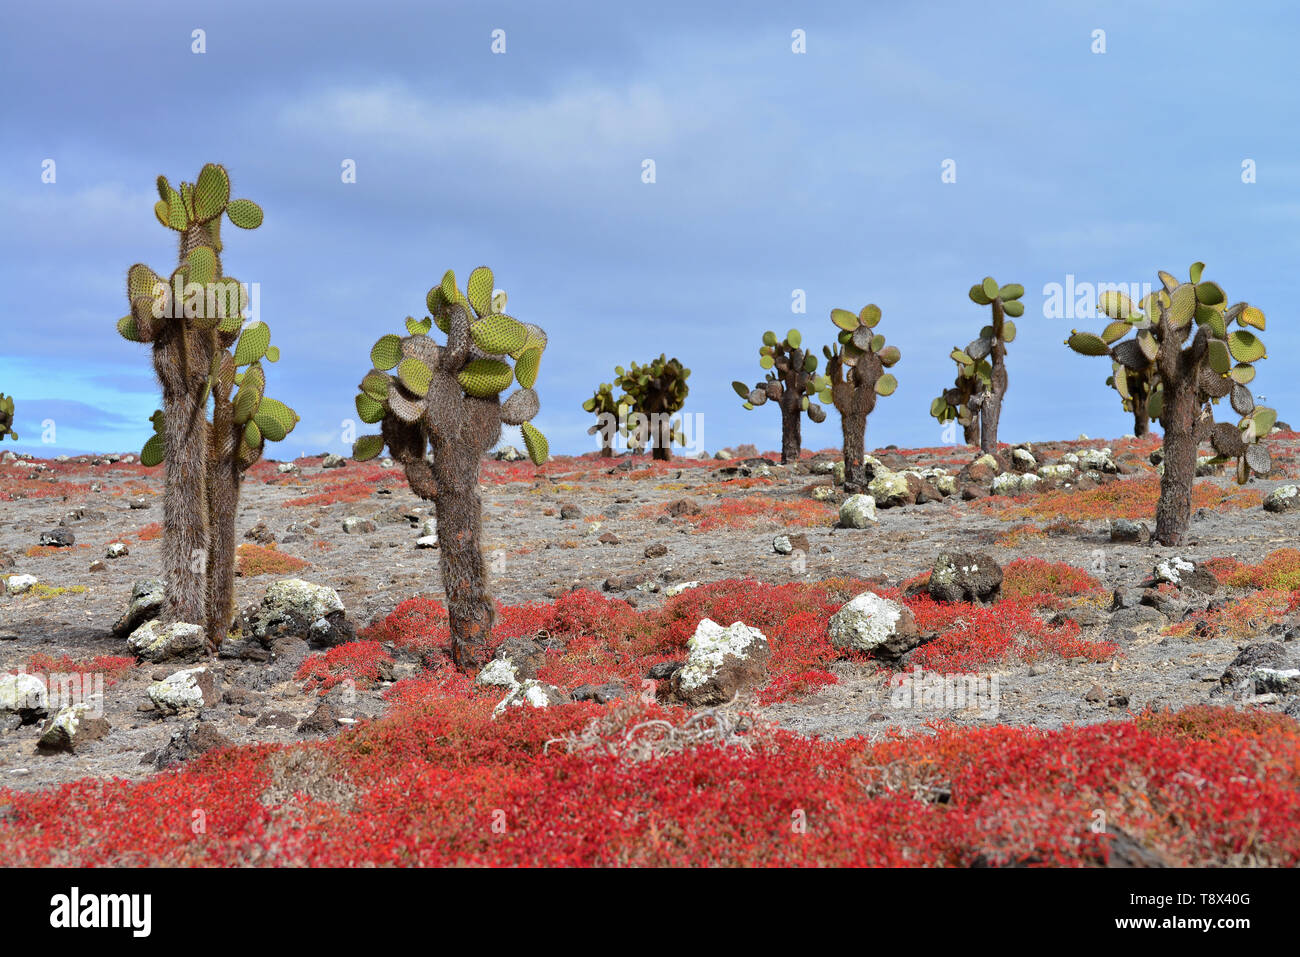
<point x="150" y="532"/>
<point x="1034" y="577"/>
<point x="1279" y="570"/>
<point x="253" y="560"/>
<point x="357" y="661"/>
<point x="439" y="781"/>
<point x="1133" y="498"/>
<point x="1239" y="619"/>
<point x="112" y="667"/>
<point x="760" y="511"/>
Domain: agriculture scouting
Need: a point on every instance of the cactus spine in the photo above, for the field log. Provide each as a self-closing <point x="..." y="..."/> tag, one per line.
<point x="1190" y="378"/>
<point x="7" y="418"/>
<point x="791" y="383"/>
<point x="440" y="411"/>
<point x="191" y="319"/>
<point x="657" y="391"/>
<point x="855" y="368"/>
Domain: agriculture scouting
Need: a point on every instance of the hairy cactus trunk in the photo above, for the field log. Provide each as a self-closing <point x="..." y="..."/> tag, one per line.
<point x="1141" y="419"/>
<point x="854" y="428"/>
<point x="791" y="425"/>
<point x="991" y="407"/>
<point x="663" y="437"/>
<point x="971" y="431"/>
<point x="223" y="503"/>
<point x="1174" y="511"/>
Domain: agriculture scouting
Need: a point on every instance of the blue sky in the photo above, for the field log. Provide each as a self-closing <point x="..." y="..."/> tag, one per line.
<point x="775" y="171"/>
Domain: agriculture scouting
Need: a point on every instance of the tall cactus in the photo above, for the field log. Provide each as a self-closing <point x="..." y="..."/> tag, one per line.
<point x="610" y="413"/>
<point x="657" y="391"/>
<point x="1190" y="378"/>
<point x="7" y="417"/>
<point x="855" y="368"/>
<point x="440" y="411"/>
<point x="791" y="383"/>
<point x="188" y="318"/>
<point x="1134" y="379"/>
<point x="954" y="403"/>
<point x="1004" y="301"/>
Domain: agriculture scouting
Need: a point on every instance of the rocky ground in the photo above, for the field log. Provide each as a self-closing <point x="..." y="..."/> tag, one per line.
<point x="86" y="531"/>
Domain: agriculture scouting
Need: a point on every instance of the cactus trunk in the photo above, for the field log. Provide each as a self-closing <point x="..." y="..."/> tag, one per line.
<point x="663" y="437"/>
<point x="791" y="426"/>
<point x="1141" y="420"/>
<point x="185" y="506"/>
<point x="971" y="431"/>
<point x="991" y="407"/>
<point x="223" y="502"/>
<point x="1174" y="511"/>
<point x="854" y="428"/>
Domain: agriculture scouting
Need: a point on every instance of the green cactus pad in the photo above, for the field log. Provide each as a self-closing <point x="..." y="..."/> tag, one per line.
<point x="990" y="288"/>
<point x="539" y="449"/>
<point x="794" y="338"/>
<point x="387" y="352"/>
<point x="479" y="290"/>
<point x="870" y="315"/>
<point x="246" y="403"/>
<point x="450" y="293"/>
<point x="844" y="319"/>
<point x="418" y="327"/>
<point x="252" y="344"/>
<point x="526" y="367"/>
<point x="1009" y="328"/>
<point x="211" y="193"/>
<point x="1013" y="308"/>
<point x="367" y="447"/>
<point x="275" y="420"/>
<point x="1115" y="304"/>
<point x="369" y="409"/>
<point x="1250" y="316"/>
<point x="415" y="375"/>
<point x="245" y="213"/>
<point x="252" y="435"/>
<point x="126" y="328"/>
<point x="499" y="335"/>
<point x="1011" y="291"/>
<point x="1264" y="419"/>
<point x="484" y="378"/>
<point x="978" y="297"/>
<point x="153" y="452"/>
<point x="375" y="384"/>
<point x="890" y="355"/>
<point x="201" y="267"/>
<point x="1218" y="357"/>
<point x="1246" y="346"/>
<point x="1243" y="374"/>
<point x="1115" y="331"/>
<point x="1085" y="343"/>
<point x="1210" y="293"/>
<point x="739" y="388"/>
<point x="886" y="384"/>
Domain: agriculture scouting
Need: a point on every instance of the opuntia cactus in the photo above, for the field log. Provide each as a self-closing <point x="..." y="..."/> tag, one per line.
<point x="7" y="417"/>
<point x="953" y="404"/>
<point x="610" y="413"/>
<point x="1190" y="378"/>
<point x="855" y="368"/>
<point x="440" y="411"/>
<point x="791" y="383"/>
<point x="657" y="391"/>
<point x="191" y="319"/>
<point x="991" y="347"/>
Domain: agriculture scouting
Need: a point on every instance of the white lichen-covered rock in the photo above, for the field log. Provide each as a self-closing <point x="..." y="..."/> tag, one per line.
<point x="1098" y="460"/>
<point x="186" y="690"/>
<point x="530" y="693"/>
<point x="291" y="607"/>
<point x="1060" y="472"/>
<point x="23" y="693"/>
<point x="1276" y="680"/>
<point x="177" y="641"/>
<point x="720" y="662"/>
<point x="429" y="527"/>
<point x="117" y="550"/>
<point x="499" y="672"/>
<point x="18" y="584"/>
<point x="1284" y="498"/>
<point x="941" y="479"/>
<point x="986" y="461"/>
<point x="680" y="587"/>
<point x="1172" y="570"/>
<point x="72" y="728"/>
<point x="1024" y="460"/>
<point x="889" y="488"/>
<point x="874" y="624"/>
<point x="858" y="511"/>
<point x="1013" y="483"/>
<point x="427" y="541"/>
<point x="823" y="493"/>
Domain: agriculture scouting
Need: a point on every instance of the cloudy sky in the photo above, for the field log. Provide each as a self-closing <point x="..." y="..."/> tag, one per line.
<point x="775" y="171"/>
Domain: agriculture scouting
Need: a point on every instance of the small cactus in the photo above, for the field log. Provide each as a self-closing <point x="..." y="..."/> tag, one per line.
<point x="440" y="410"/>
<point x="982" y="373"/>
<point x="791" y="383"/>
<point x="611" y="414"/>
<point x="855" y="370"/>
<point x="192" y="320"/>
<point x="7" y="418"/>
<point x="656" y="392"/>
<point x="1189" y="379"/>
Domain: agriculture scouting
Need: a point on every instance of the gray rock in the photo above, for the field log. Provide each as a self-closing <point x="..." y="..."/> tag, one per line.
<point x="873" y="624"/>
<point x="1126" y="531"/>
<point x="965" y="576"/>
<point x="1284" y="498"/>
<point x="187" y="690"/>
<point x="58" y="538"/>
<point x="720" y="663"/>
<point x="179" y="641"/>
<point x="858" y="511"/>
<point x="146" y="603"/>
<point x="333" y="461"/>
<point x="72" y="729"/>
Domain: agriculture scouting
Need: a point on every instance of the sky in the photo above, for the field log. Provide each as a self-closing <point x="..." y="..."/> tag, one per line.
<point x="775" y="171"/>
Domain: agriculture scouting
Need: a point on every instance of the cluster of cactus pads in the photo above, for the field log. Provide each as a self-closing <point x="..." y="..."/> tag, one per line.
<point x="202" y="351"/>
<point x="791" y="383"/>
<point x="611" y="416"/>
<point x="1188" y="379"/>
<point x="855" y="374"/>
<point x="440" y="409"/>
<point x="655" y="393"/>
<point x="7" y="417"/>
<point x="975" y="400"/>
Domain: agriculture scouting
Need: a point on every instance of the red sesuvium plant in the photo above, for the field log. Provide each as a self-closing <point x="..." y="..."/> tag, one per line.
<point x="1184" y="331"/>
<point x="791" y="383"/>
<point x="440" y="411"/>
<point x="855" y="368"/>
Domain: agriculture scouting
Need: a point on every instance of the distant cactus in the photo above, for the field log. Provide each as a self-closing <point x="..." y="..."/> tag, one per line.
<point x="610" y="414"/>
<point x="1189" y="380"/>
<point x="953" y="404"/>
<point x="192" y="319"/>
<point x="7" y="417"/>
<point x="1134" y="383"/>
<point x="790" y="383"/>
<point x="986" y="363"/>
<point x="657" y="391"/>
<point x="440" y="411"/>
<point x="855" y="370"/>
